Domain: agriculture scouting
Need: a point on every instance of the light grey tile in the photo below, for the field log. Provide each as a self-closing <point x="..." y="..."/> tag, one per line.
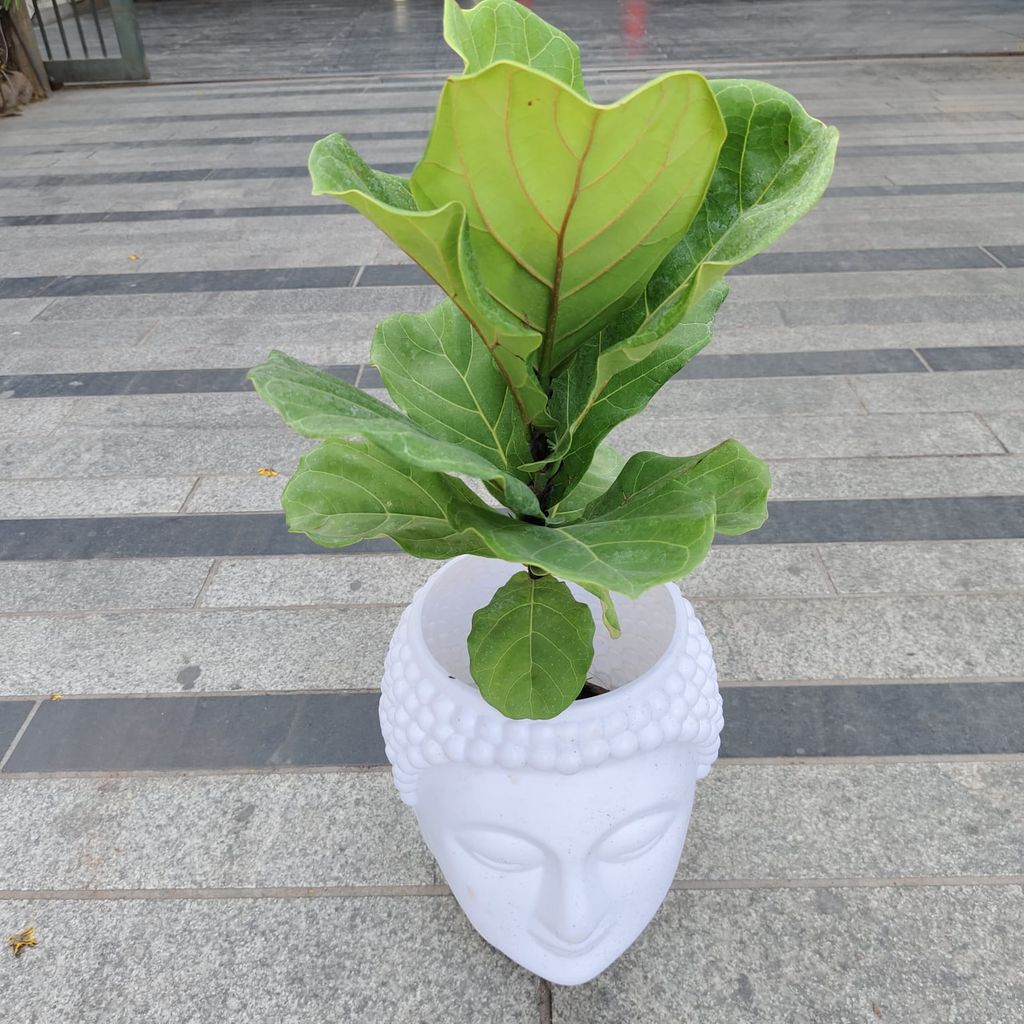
<point x="101" y="585"/>
<point x="237" y="494"/>
<point x="41" y="347"/>
<point x="31" y="416"/>
<point x="200" y="342"/>
<point x="22" y="310"/>
<point x="262" y="831"/>
<point x="1009" y="428"/>
<point x="765" y="571"/>
<point x="103" y="496"/>
<point x="839" y="337"/>
<point x="157" y="451"/>
<point x="165" y="652"/>
<point x="272" y="305"/>
<point x="378" y="960"/>
<point x="821" y="436"/>
<point x="839" y="955"/>
<point x="186" y="413"/>
<point x="792" y="396"/>
<point x="968" y="566"/>
<point x="975" y="391"/>
<point x="800" y="821"/>
<point x="963" y="636"/>
<point x="357" y="579"/>
<point x="914" y="477"/>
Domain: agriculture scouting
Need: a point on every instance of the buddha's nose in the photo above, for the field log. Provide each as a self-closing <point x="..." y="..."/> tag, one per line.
<point x="572" y="905"/>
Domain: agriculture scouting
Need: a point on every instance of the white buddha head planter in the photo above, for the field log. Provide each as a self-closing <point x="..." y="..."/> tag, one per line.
<point x="559" y="838"/>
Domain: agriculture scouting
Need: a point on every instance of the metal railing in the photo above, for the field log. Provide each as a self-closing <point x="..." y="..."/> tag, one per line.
<point x="78" y="38"/>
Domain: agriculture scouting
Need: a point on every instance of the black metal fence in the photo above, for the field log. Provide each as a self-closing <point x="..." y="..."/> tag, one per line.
<point x="90" y="40"/>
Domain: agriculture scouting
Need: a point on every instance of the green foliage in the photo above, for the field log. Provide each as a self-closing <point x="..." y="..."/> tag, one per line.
<point x="581" y="248"/>
<point x="531" y="646"/>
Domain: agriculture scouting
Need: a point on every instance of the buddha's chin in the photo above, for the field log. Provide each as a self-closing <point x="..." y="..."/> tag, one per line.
<point x="564" y="964"/>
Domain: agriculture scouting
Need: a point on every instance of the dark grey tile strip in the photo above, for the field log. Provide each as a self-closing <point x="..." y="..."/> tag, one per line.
<point x="261" y="115"/>
<point x="140" y="382"/>
<point x="178" y="281"/>
<point x="800" y="364"/>
<point x="954" y="188"/>
<point x="131" y="734"/>
<point x="335" y="729"/>
<point x="889" y="519"/>
<point x="212" y="213"/>
<point x="33" y="181"/>
<point x="265" y="533"/>
<point x="984" y="357"/>
<point x="828" y="262"/>
<point x="211" y="536"/>
<point x="931" y="148"/>
<point x="328" y="209"/>
<point x="708" y="367"/>
<point x="12" y="717"/>
<point x="202" y="141"/>
<point x="838" y="261"/>
<point x="873" y="721"/>
<point x="1008" y="255"/>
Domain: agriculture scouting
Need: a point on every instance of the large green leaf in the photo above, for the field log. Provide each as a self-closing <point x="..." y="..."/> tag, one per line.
<point x="496" y="30"/>
<point x="438" y="370"/>
<point x="587" y="407"/>
<point x="320" y="405"/>
<point x="437" y="238"/>
<point x="345" y="491"/>
<point x="605" y="466"/>
<point x="654" y="524"/>
<point x="775" y="165"/>
<point x="571" y="205"/>
<point x="726" y="479"/>
<point x="530" y="648"/>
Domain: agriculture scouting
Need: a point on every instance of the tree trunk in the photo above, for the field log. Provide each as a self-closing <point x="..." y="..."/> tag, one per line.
<point x="24" y="55"/>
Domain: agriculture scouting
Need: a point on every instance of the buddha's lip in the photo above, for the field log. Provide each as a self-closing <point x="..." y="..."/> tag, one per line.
<point x="557" y="946"/>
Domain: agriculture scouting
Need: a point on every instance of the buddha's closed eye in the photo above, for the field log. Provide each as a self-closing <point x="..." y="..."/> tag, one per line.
<point x="501" y="850"/>
<point x="635" y="838"/>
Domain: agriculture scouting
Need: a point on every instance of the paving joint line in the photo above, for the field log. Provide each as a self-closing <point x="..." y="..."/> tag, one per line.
<point x="434" y="891"/>
<point x="211" y="572"/>
<point x="188" y="497"/>
<point x="21" y="732"/>
<point x="924" y="362"/>
<point x="993" y="256"/>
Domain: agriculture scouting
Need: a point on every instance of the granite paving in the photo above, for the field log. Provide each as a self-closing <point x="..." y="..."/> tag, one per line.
<point x="196" y="815"/>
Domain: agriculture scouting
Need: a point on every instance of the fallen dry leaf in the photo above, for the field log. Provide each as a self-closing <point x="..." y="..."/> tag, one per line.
<point x="267" y="471"/>
<point x="132" y="257"/>
<point x="56" y="696"/>
<point x="22" y="941"/>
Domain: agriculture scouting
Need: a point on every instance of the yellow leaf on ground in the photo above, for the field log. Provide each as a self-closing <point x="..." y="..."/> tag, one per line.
<point x="22" y="941"/>
<point x="267" y="471"/>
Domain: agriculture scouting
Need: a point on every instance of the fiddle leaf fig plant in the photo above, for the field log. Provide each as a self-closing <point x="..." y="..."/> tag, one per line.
<point x="581" y="249"/>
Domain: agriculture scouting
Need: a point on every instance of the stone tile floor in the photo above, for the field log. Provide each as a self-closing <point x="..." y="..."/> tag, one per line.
<point x="201" y="828"/>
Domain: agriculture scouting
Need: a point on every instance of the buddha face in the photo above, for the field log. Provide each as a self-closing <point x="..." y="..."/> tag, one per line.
<point x="561" y="873"/>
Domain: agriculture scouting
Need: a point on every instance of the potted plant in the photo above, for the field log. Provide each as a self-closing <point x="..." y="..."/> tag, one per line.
<point x="581" y="248"/>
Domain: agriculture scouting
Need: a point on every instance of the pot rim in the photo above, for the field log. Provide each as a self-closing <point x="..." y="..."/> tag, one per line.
<point x="601" y="703"/>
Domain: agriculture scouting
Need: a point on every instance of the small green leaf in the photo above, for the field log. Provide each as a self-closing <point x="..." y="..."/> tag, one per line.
<point x="531" y="647"/>
<point x="320" y="405"/>
<point x="609" y="616"/>
<point x="496" y="30"/>
<point x="345" y="491"/>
